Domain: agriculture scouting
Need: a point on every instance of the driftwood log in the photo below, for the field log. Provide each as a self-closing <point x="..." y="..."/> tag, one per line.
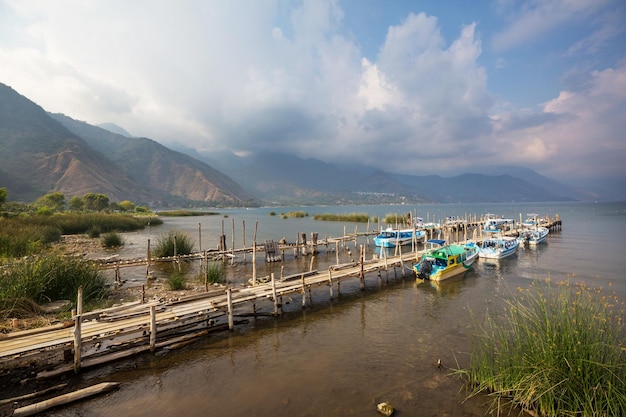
<point x="41" y="406"/>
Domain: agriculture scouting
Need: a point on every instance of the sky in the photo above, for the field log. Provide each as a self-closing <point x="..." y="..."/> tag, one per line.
<point x="413" y="87"/>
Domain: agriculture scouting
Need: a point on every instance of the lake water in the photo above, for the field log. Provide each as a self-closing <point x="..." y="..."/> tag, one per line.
<point x="340" y="357"/>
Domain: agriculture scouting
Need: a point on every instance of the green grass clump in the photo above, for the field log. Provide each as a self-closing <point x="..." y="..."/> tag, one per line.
<point x="112" y="240"/>
<point x="556" y="350"/>
<point x="215" y="273"/>
<point x="174" y="239"/>
<point x="41" y="279"/>
<point x="176" y="281"/>
<point x="349" y="217"/>
<point x="294" y="214"/>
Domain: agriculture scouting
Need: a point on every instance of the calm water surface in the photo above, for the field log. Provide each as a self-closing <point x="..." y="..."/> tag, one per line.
<point x="340" y="357"/>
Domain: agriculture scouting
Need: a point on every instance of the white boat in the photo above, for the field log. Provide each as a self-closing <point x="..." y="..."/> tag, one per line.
<point x="390" y="238"/>
<point x="534" y="236"/>
<point x="498" y="247"/>
<point x="495" y="224"/>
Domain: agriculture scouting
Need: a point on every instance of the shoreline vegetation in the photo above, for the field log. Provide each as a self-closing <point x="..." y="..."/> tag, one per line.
<point x="552" y="350"/>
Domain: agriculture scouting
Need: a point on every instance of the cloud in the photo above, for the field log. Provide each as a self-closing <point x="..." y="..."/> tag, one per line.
<point x="288" y="75"/>
<point x="539" y="17"/>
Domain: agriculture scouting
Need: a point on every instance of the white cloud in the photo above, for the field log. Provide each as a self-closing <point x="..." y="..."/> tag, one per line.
<point x="250" y="75"/>
<point x="536" y="18"/>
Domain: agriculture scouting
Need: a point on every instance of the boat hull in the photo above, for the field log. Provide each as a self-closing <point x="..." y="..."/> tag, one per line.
<point x="498" y="248"/>
<point x="446" y="262"/>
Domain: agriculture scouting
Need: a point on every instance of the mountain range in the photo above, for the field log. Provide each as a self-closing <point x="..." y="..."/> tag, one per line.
<point x="41" y="152"/>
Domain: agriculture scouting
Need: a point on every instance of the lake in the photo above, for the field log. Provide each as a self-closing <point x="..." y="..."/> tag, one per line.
<point x="341" y="357"/>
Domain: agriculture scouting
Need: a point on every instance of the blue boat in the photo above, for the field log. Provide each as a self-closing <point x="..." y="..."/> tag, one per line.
<point x="390" y="238"/>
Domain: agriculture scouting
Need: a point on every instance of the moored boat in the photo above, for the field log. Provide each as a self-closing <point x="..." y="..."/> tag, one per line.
<point x="446" y="261"/>
<point x="498" y="247"/>
<point x="390" y="238"/>
<point x="534" y="236"/>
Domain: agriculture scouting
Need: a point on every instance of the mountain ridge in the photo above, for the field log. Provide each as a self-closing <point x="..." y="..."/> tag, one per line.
<point x="43" y="152"/>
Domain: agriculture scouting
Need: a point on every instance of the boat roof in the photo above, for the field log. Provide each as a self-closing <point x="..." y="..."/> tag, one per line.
<point x="438" y="241"/>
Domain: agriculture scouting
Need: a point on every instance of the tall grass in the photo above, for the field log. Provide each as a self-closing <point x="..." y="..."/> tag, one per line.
<point x="349" y="217"/>
<point x="556" y="350"/>
<point x="174" y="239"/>
<point x="294" y="214"/>
<point x="40" y="279"/>
<point x="28" y="235"/>
<point x="215" y="273"/>
<point x="112" y="240"/>
<point x="391" y="218"/>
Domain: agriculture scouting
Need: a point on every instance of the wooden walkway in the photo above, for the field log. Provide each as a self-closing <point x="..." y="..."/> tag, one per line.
<point x="97" y="337"/>
<point x="100" y="336"/>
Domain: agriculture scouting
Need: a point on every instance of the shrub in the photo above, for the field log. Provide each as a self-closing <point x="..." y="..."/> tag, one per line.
<point x="94" y="232"/>
<point x="165" y="244"/>
<point x="112" y="240"/>
<point x="555" y="351"/>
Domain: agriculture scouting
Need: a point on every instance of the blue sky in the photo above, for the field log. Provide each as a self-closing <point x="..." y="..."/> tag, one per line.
<point x="437" y="87"/>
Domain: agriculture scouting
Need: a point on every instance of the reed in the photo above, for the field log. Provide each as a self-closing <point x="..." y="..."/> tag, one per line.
<point x="215" y="273"/>
<point x="349" y="217"/>
<point x="174" y="239"/>
<point x="176" y="281"/>
<point x="295" y="214"/>
<point x="40" y="279"/>
<point x="185" y="213"/>
<point x="391" y="218"/>
<point x="112" y="240"/>
<point x="556" y="350"/>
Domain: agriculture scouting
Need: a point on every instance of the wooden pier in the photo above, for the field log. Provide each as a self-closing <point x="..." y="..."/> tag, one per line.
<point x="96" y="337"/>
<point x="100" y="336"/>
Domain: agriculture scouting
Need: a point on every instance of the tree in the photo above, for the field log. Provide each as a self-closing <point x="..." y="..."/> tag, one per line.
<point x="95" y="201"/>
<point x="54" y="200"/>
<point x="127" y="205"/>
<point x="3" y="195"/>
<point x="76" y="203"/>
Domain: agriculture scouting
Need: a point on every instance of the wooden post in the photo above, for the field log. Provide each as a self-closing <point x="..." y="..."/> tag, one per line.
<point x="337" y="252"/>
<point x="229" y="301"/>
<point x="79" y="301"/>
<point x="78" y="345"/>
<point x="244" y="240"/>
<point x="311" y="264"/>
<point x="148" y="261"/>
<point x="361" y="272"/>
<point x="274" y="294"/>
<point x="153" y="329"/>
<point x="330" y="282"/>
<point x="254" y="263"/>
<point x="206" y="271"/>
<point x="199" y="237"/>
<point x="303" y="290"/>
<point x="256" y="225"/>
<point x="232" y="260"/>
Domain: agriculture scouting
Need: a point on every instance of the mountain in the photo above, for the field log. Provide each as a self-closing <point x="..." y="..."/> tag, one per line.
<point x="289" y="179"/>
<point x="40" y="154"/>
<point x="153" y="165"/>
